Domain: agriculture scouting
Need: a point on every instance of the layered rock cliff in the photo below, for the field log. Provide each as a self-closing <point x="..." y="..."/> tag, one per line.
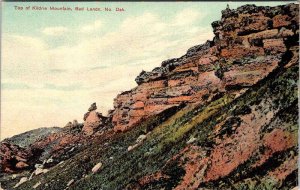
<point x="248" y="44"/>
<point x="223" y="116"/>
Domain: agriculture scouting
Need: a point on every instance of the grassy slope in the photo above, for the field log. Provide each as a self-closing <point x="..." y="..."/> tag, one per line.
<point x="165" y="140"/>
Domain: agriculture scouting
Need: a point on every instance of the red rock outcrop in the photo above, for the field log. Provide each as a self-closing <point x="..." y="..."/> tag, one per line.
<point x="93" y="120"/>
<point x="247" y="46"/>
<point x="13" y="158"/>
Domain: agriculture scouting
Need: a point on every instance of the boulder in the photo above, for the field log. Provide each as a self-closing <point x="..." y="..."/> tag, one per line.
<point x="130" y="148"/>
<point x="21" y="165"/>
<point x="191" y="140"/>
<point x="140" y="139"/>
<point x="36" y="185"/>
<point x="38" y="166"/>
<point x="22" y="180"/>
<point x="70" y="182"/>
<point x="39" y="171"/>
<point x="97" y="167"/>
<point x="93" y="122"/>
<point x="50" y="160"/>
<point x="93" y="107"/>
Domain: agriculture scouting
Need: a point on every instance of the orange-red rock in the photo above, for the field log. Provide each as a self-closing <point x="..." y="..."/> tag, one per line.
<point x="281" y="20"/>
<point x="92" y="123"/>
<point x="21" y="165"/>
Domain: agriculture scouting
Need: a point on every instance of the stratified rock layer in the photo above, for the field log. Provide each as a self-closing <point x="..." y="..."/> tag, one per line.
<point x="249" y="43"/>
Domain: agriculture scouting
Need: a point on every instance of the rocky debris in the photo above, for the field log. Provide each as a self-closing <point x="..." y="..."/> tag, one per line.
<point x="39" y="171"/>
<point x="138" y="142"/>
<point x="70" y="182"/>
<point x="140" y="139"/>
<point x="49" y="161"/>
<point x="131" y="147"/>
<point x="97" y="167"/>
<point x="36" y="166"/>
<point x="22" y="180"/>
<point x="191" y="140"/>
<point x="39" y="168"/>
<point x="13" y="157"/>
<point x="14" y="176"/>
<point x="37" y="185"/>
<point x="56" y="146"/>
<point x="22" y="165"/>
<point x="74" y="127"/>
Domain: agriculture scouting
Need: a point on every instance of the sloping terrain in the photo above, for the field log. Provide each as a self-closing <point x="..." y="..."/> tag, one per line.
<point x="25" y="139"/>
<point x="236" y="146"/>
<point x="223" y="116"/>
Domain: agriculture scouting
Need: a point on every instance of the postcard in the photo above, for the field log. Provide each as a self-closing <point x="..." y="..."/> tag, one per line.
<point x="179" y="95"/>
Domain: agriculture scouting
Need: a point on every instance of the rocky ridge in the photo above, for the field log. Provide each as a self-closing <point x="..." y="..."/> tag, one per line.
<point x="223" y="116"/>
<point x="248" y="44"/>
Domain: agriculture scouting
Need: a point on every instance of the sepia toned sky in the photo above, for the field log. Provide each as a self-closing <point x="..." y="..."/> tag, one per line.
<point x="54" y="64"/>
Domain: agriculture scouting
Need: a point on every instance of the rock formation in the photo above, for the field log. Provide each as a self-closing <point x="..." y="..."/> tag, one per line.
<point x="248" y="45"/>
<point x="223" y="116"/>
<point x="13" y="157"/>
<point x="93" y="120"/>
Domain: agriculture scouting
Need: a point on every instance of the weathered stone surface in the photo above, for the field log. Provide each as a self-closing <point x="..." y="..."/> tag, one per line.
<point x="13" y="157"/>
<point x="281" y="20"/>
<point x="241" y="51"/>
<point x="234" y="60"/>
<point x="274" y="45"/>
<point x="92" y="123"/>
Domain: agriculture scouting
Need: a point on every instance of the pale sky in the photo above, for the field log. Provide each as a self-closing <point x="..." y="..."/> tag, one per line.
<point x="55" y="63"/>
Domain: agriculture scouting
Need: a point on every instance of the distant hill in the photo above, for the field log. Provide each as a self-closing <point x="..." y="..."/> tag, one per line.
<point x="25" y="139"/>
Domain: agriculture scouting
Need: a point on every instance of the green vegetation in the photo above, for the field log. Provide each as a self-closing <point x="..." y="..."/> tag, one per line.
<point x="169" y="133"/>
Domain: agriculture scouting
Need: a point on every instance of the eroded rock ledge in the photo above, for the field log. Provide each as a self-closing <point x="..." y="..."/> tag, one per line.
<point x="249" y="43"/>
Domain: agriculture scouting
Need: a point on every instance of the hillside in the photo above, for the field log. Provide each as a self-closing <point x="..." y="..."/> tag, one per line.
<point x="222" y="116"/>
<point x="25" y="139"/>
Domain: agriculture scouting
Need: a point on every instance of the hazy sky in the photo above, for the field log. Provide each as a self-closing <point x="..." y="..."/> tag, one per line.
<point x="56" y="63"/>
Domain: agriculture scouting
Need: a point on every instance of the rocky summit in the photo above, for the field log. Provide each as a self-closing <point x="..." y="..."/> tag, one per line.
<point x="222" y="116"/>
